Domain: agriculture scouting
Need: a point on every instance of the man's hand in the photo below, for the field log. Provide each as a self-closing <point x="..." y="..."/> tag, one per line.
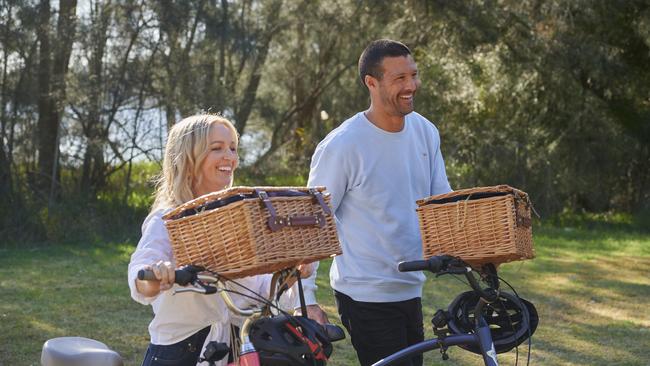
<point x="306" y="270"/>
<point x="315" y="312"/>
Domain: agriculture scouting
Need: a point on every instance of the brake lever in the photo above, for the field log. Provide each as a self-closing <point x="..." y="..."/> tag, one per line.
<point x="198" y="287"/>
<point x="194" y="278"/>
<point x="453" y="270"/>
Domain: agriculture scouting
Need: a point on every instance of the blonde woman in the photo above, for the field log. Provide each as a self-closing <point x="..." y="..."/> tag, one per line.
<point x="200" y="157"/>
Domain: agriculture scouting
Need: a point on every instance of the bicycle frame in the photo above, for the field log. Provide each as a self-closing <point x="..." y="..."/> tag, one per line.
<point x="248" y="355"/>
<point x="209" y="283"/>
<point x="482" y="338"/>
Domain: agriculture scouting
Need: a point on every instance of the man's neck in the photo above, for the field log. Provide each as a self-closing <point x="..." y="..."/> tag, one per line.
<point x="383" y="120"/>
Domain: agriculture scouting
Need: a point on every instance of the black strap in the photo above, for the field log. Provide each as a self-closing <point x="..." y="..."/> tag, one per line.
<point x="301" y="294"/>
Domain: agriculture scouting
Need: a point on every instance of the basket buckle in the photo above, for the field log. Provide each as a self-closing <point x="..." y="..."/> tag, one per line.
<point x="277" y="222"/>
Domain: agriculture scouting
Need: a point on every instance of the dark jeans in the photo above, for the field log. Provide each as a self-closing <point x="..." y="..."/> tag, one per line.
<point x="380" y="329"/>
<point x="183" y="353"/>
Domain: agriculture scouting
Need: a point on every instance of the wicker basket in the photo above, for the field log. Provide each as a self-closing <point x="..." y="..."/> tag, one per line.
<point x="244" y="231"/>
<point x="480" y="225"/>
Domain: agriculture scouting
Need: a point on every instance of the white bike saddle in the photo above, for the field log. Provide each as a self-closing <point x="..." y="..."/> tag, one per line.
<point x="78" y="351"/>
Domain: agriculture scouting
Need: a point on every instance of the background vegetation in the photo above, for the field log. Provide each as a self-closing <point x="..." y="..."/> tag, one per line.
<point x="552" y="97"/>
<point x="549" y="96"/>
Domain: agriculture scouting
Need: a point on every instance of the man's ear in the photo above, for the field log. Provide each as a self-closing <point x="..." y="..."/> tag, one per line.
<point x="370" y="81"/>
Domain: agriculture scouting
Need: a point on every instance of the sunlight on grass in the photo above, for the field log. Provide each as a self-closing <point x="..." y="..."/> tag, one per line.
<point x="591" y="290"/>
<point x="46" y="328"/>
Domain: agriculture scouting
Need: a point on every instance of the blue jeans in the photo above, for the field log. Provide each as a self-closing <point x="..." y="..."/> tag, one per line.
<point x="183" y="353"/>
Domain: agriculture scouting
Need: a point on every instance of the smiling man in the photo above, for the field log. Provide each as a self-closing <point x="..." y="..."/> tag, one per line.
<point x="376" y="165"/>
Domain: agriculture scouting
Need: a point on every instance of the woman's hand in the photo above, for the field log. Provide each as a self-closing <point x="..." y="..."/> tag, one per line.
<point x="165" y="276"/>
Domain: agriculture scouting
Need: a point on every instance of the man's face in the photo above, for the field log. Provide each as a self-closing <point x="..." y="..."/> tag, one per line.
<point x="395" y="91"/>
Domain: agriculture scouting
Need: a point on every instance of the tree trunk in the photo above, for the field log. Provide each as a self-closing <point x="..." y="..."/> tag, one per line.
<point x="51" y="80"/>
<point x="46" y="127"/>
<point x="250" y="93"/>
<point x="92" y="178"/>
<point x="5" y="168"/>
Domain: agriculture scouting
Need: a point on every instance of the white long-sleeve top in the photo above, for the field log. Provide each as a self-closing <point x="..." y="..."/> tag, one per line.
<point x="374" y="178"/>
<point x="177" y="317"/>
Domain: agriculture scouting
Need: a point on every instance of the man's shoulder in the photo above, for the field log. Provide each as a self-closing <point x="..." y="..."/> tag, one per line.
<point x="421" y="122"/>
<point x="342" y="134"/>
<point x="417" y="117"/>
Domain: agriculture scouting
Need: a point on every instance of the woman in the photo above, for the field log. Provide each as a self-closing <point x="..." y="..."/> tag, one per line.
<point x="200" y="157"/>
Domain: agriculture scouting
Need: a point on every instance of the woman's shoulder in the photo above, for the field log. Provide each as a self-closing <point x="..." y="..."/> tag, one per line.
<point x="155" y="218"/>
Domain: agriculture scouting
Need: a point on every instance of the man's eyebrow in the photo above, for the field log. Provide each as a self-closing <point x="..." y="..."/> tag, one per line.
<point x="409" y="72"/>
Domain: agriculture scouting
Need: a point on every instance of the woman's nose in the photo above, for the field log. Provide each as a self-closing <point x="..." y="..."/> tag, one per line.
<point x="231" y="155"/>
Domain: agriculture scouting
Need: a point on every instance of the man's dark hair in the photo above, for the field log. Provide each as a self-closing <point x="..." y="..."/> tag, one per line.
<point x="373" y="55"/>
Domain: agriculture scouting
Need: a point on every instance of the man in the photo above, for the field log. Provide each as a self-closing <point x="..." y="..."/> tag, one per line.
<point x="376" y="165"/>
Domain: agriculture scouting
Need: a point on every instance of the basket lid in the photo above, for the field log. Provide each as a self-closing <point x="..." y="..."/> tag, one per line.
<point x="472" y="193"/>
<point x="224" y="197"/>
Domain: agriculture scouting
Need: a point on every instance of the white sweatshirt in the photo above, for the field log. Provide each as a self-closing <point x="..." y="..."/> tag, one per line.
<point x="375" y="178"/>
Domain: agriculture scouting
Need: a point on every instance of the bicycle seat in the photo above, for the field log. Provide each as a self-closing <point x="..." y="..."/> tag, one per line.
<point x="78" y="351"/>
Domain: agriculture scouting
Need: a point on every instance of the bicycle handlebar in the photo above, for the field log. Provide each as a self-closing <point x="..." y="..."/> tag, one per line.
<point x="446" y="264"/>
<point x="181" y="277"/>
<point x="434" y="264"/>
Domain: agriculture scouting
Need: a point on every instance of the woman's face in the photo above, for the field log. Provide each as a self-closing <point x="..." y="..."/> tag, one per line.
<point x="217" y="169"/>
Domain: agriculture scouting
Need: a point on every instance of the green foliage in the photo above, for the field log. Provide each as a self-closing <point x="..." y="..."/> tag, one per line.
<point x="244" y="179"/>
<point x="77" y="217"/>
<point x="614" y="221"/>
<point x="549" y="97"/>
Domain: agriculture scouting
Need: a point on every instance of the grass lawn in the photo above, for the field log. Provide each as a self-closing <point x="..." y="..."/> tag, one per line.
<point x="591" y="289"/>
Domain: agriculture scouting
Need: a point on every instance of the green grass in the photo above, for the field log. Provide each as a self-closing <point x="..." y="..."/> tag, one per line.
<point x="590" y="286"/>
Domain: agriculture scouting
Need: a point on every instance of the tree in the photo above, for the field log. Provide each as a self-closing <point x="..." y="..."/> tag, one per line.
<point x="53" y="67"/>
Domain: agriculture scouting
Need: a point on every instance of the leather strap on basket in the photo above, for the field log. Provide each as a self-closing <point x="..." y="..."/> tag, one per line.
<point x="521" y="198"/>
<point x="276" y="222"/>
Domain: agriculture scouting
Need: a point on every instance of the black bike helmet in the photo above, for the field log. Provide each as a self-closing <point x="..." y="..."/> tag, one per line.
<point x="290" y="340"/>
<point x="511" y="319"/>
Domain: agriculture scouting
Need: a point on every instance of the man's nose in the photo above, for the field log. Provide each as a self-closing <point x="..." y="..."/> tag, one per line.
<point x="412" y="84"/>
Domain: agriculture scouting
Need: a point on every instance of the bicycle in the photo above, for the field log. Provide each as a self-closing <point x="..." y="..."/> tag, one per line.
<point x="268" y="336"/>
<point x="485" y="321"/>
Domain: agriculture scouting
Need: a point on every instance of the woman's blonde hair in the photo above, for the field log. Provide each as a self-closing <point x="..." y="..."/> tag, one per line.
<point x="186" y="148"/>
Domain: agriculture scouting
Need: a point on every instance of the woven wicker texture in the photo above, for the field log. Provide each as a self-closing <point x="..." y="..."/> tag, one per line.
<point x="235" y="240"/>
<point x="482" y="230"/>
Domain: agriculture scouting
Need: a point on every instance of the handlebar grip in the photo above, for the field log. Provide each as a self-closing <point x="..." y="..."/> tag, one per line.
<point x="434" y="264"/>
<point x="412" y="266"/>
<point x="181" y="277"/>
<point x="146" y="275"/>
